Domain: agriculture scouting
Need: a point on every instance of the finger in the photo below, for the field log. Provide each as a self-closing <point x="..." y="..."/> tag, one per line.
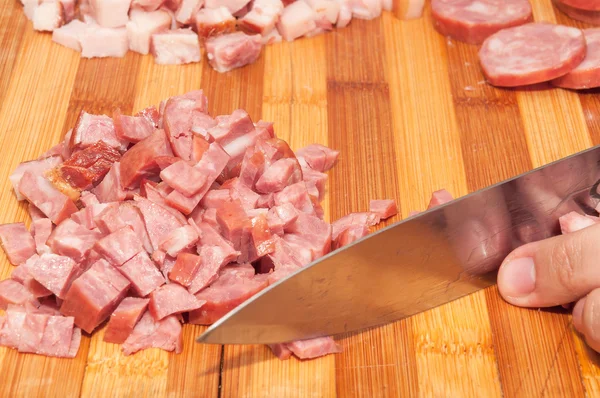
<point x="591" y="319"/>
<point x="552" y="272"/>
<point x="578" y="315"/>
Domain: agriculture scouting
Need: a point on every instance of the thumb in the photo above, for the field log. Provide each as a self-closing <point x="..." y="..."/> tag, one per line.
<point x="553" y="271"/>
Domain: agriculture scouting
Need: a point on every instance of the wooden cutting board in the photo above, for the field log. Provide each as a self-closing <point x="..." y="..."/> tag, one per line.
<point x="410" y="113"/>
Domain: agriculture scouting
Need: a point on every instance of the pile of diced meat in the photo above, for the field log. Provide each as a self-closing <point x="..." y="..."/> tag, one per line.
<point x="145" y="222"/>
<point x="232" y="32"/>
<point x="515" y="51"/>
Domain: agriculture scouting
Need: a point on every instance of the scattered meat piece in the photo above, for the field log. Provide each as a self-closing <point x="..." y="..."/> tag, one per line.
<point x="578" y="14"/>
<point x="214" y="21"/>
<point x="588" y="5"/>
<point x="36" y="167"/>
<point x="41" y="230"/>
<point x="147" y="5"/>
<point x="297" y="195"/>
<point x="327" y="14"/>
<point x="230" y="127"/>
<point x="42" y="194"/>
<point x="142" y="25"/>
<point x="69" y="35"/>
<point x="34" y="212"/>
<point x="172" y="299"/>
<point x="232" y="50"/>
<point x="280" y="174"/>
<point x="99" y="42"/>
<point x="17" y="242"/>
<point x="132" y="128"/>
<point x="148" y="333"/>
<point x="232" y="5"/>
<point x="184" y="178"/>
<point x="345" y="15"/>
<point x="587" y="73"/>
<point x="262" y="17"/>
<point x="180" y="114"/>
<point x="296" y="20"/>
<point x="313" y="348"/>
<point x="531" y="53"/>
<point x="367" y="218"/>
<point x="175" y="47"/>
<point x="573" y="221"/>
<point x="318" y="157"/>
<point x="473" y="21"/>
<point x="366" y="9"/>
<point x="120" y="246"/>
<point x="48" y="16"/>
<point x="57" y="337"/>
<point x="439" y="198"/>
<point x="187" y="10"/>
<point x="179" y="239"/>
<point x="123" y="320"/>
<point x="110" y="189"/>
<point x="185" y="269"/>
<point x="281" y="217"/>
<point x="89" y="199"/>
<point x="143" y="274"/>
<point x="32" y="332"/>
<point x="384" y="208"/>
<point x="159" y="221"/>
<point x="72" y="240"/>
<point x="215" y="197"/>
<point x="139" y="160"/>
<point x="151" y="114"/>
<point x="232" y="219"/>
<point x="89" y="129"/>
<point x="110" y="13"/>
<point x="281" y="351"/>
<point x="12" y="292"/>
<point x="349" y="235"/>
<point x="235" y="285"/>
<point x="95" y="295"/>
<point x="54" y="272"/>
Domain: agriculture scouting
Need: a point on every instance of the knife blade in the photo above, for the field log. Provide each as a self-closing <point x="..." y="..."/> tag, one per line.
<point x="416" y="264"/>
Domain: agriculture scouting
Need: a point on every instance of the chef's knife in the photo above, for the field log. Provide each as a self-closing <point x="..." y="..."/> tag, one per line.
<point x="416" y="264"/>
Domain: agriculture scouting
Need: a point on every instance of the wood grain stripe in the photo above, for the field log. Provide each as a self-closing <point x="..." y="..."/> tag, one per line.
<point x="12" y="28"/>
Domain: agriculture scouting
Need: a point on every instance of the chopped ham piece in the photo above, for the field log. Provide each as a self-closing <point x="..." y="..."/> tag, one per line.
<point x="120" y="246"/>
<point x="262" y="17"/>
<point x="150" y="114"/>
<point x="34" y="212"/>
<point x="42" y="194"/>
<point x="172" y="299"/>
<point x="36" y="167"/>
<point x="41" y="230"/>
<point x="232" y="50"/>
<point x="232" y="5"/>
<point x="110" y="13"/>
<point x="345" y="15"/>
<point x="297" y="195"/>
<point x="215" y="197"/>
<point x="148" y="333"/>
<point x="146" y="5"/>
<point x="184" y="178"/>
<point x="54" y="272"/>
<point x="234" y="285"/>
<point x="439" y="198"/>
<point x="69" y="35"/>
<point x="296" y="20"/>
<point x="349" y="235"/>
<point x="143" y="274"/>
<point x="32" y="332"/>
<point x="17" y="242"/>
<point x="313" y="348"/>
<point x="99" y="42"/>
<point x="281" y="217"/>
<point x="281" y="351"/>
<point x="139" y="161"/>
<point x="366" y="9"/>
<point x="159" y="221"/>
<point x="327" y="14"/>
<point x="57" y="340"/>
<point x="230" y="127"/>
<point x="179" y="239"/>
<point x="282" y="173"/>
<point x="48" y="16"/>
<point x="175" y="47"/>
<point x="367" y="218"/>
<point x="142" y="25"/>
<point x="232" y="219"/>
<point x="72" y="240"/>
<point x="132" y="128"/>
<point x="12" y="292"/>
<point x="69" y="9"/>
<point x="95" y="295"/>
<point x="185" y="268"/>
<point x="110" y="189"/>
<point x="214" y="21"/>
<point x="10" y="333"/>
<point x="384" y="208"/>
<point x="89" y="129"/>
<point x="89" y="199"/>
<point x="180" y="115"/>
<point x="573" y="222"/>
<point x="187" y="10"/>
<point x="319" y="157"/>
<point x="123" y="320"/>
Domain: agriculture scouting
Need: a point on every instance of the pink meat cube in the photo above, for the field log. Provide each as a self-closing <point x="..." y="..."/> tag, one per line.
<point x="319" y="157"/>
<point x="100" y="42"/>
<point x="72" y="240"/>
<point x="187" y="10"/>
<point x="88" y="199"/>
<point x="12" y="292"/>
<point x="17" y="242"/>
<point x="120" y="246"/>
<point x="172" y="299"/>
<point x="159" y="221"/>
<point x="313" y="348"/>
<point x="185" y="268"/>
<point x="22" y="275"/>
<point x="214" y="21"/>
<point x="10" y="333"/>
<point x="573" y="221"/>
<point x="184" y="178"/>
<point x="75" y="343"/>
<point x="148" y="333"/>
<point x="366" y="9"/>
<point x="384" y="208"/>
<point x="232" y="219"/>
<point x="132" y="128"/>
<point x="42" y="194"/>
<point x="123" y="320"/>
<point x="143" y="274"/>
<point x="230" y="127"/>
<point x="232" y="5"/>
<point x="234" y="286"/>
<point x="175" y="47"/>
<point x="297" y="195"/>
<point x="142" y="25"/>
<point x="281" y="351"/>
<point x="349" y="235"/>
<point x="34" y="212"/>
<point x="282" y="173"/>
<point x="281" y="217"/>
<point x="367" y="219"/>
<point x="95" y="295"/>
<point x="36" y="167"/>
<point x="110" y="189"/>
<point x="327" y="12"/>
<point x="139" y="161"/>
<point x="296" y="20"/>
<point x="262" y="17"/>
<point x="215" y="197"/>
<point x="54" y="272"/>
<point x="32" y="332"/>
<point x="179" y="239"/>
<point x="89" y="129"/>
<point x="48" y="16"/>
<point x="232" y="50"/>
<point x="439" y="198"/>
<point x="110" y="13"/>
<point x="57" y="338"/>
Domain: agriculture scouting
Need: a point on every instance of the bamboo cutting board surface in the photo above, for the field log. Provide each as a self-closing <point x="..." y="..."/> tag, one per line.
<point x="410" y="114"/>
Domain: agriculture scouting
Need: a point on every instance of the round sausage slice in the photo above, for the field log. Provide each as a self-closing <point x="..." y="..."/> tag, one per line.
<point x="587" y="73"/>
<point x="592" y="17"/>
<point x="472" y="21"/>
<point x="531" y="53"/>
<point x="590" y="5"/>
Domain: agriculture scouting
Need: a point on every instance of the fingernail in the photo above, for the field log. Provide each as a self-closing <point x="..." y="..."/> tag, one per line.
<point x="516" y="278"/>
<point x="578" y="315"/>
